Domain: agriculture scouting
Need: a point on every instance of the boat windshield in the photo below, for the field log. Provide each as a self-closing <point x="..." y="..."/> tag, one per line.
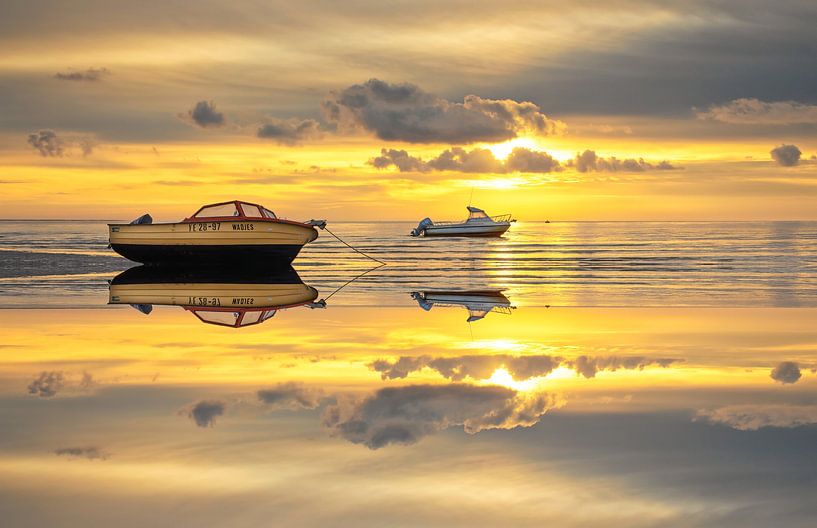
<point x="477" y="215"/>
<point x="235" y="208"/>
<point x="218" y="210"/>
<point x="235" y="319"/>
<point x="250" y="210"/>
<point x="219" y="318"/>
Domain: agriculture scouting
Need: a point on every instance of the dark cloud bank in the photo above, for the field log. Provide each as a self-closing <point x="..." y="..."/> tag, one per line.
<point x="588" y="161"/>
<point x="786" y="372"/>
<point x="520" y="367"/>
<point x="401" y="415"/>
<point x="405" y="112"/>
<point x="472" y="161"/>
<point x="751" y="111"/>
<point x="91" y="453"/>
<point x="520" y="159"/>
<point x="786" y="155"/>
<point x="47" y="384"/>
<point x="290" y="396"/>
<point x="205" y="412"/>
<point x="290" y="132"/>
<point x="49" y="144"/>
<point x="753" y="417"/>
<point x="91" y="74"/>
<point x="404" y="415"/>
<point x="205" y="115"/>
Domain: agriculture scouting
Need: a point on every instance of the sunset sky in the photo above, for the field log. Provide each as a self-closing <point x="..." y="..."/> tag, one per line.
<point x="370" y="110"/>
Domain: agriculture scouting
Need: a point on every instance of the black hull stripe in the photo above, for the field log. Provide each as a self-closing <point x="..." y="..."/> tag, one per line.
<point x="202" y="255"/>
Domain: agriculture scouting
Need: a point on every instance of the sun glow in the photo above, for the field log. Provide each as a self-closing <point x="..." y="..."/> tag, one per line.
<point x="502" y="150"/>
<point x="503" y="378"/>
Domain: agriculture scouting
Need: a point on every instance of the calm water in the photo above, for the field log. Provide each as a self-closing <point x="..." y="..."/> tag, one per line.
<point x="630" y="375"/>
<point x="536" y="264"/>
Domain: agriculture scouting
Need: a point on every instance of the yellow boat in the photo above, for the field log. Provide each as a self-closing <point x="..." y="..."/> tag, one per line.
<point x="235" y="232"/>
<point x="215" y="297"/>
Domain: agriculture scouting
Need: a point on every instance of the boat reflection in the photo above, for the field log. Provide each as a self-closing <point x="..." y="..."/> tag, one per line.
<point x="234" y="298"/>
<point x="479" y="303"/>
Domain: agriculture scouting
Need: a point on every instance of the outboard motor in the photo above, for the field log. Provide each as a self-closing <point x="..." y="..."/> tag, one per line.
<point x="321" y="224"/>
<point x="421" y="300"/>
<point x="421" y="227"/>
<point x="144" y="219"/>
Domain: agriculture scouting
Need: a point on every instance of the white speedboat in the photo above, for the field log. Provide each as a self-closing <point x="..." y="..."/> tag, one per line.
<point x="232" y="232"/>
<point x="479" y="303"/>
<point x="478" y="224"/>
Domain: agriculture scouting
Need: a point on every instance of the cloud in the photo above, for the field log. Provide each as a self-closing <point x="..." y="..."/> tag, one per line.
<point x="47" y="384"/>
<point x="204" y="413"/>
<point x="404" y="415"/>
<point x="405" y="112"/>
<point x="589" y="366"/>
<point x="754" y="417"/>
<point x="601" y="129"/>
<point x="479" y="367"/>
<point x="47" y="143"/>
<point x="91" y="453"/>
<point x="290" y="396"/>
<point x="400" y="159"/>
<point x="204" y="114"/>
<point x="588" y="161"/>
<point x="477" y="160"/>
<point x="86" y="145"/>
<point x="750" y="111"/>
<point x="291" y="131"/>
<point x="526" y="160"/>
<point x="786" y="372"/>
<point x="461" y="160"/>
<point x="87" y="382"/>
<point x="786" y="155"/>
<point x="91" y="74"/>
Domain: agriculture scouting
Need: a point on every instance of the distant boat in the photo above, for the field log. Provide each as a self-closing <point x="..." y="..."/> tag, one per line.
<point x="235" y="232"/>
<point x="216" y="297"/>
<point x="478" y="224"/>
<point x="479" y="303"/>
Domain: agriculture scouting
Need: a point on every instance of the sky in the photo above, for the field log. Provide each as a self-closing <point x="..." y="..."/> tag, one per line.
<point x="364" y="110"/>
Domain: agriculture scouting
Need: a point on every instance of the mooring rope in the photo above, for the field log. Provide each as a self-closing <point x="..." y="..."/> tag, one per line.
<point x="353" y="248"/>
<point x="350" y="282"/>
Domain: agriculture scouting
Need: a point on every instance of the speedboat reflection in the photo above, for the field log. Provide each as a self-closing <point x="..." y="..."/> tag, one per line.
<point x="235" y="299"/>
<point x="479" y="303"/>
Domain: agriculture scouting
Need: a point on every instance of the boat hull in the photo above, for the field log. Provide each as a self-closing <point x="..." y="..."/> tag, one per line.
<point x="253" y="290"/>
<point x="495" y="297"/>
<point x="215" y="295"/>
<point x="206" y="243"/>
<point x="208" y="254"/>
<point x="464" y="230"/>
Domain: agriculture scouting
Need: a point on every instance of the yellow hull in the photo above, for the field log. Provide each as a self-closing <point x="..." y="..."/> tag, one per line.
<point x="202" y="243"/>
<point x="224" y="233"/>
<point x="213" y="295"/>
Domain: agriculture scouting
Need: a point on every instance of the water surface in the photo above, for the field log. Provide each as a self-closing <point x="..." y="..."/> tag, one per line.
<point x="538" y="264"/>
<point x="627" y="375"/>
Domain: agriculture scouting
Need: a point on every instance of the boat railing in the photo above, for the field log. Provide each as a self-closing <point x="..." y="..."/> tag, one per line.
<point x="501" y="218"/>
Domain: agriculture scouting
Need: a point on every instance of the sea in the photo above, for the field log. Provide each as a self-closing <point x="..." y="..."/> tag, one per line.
<point x="575" y="374"/>
<point x="68" y="263"/>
